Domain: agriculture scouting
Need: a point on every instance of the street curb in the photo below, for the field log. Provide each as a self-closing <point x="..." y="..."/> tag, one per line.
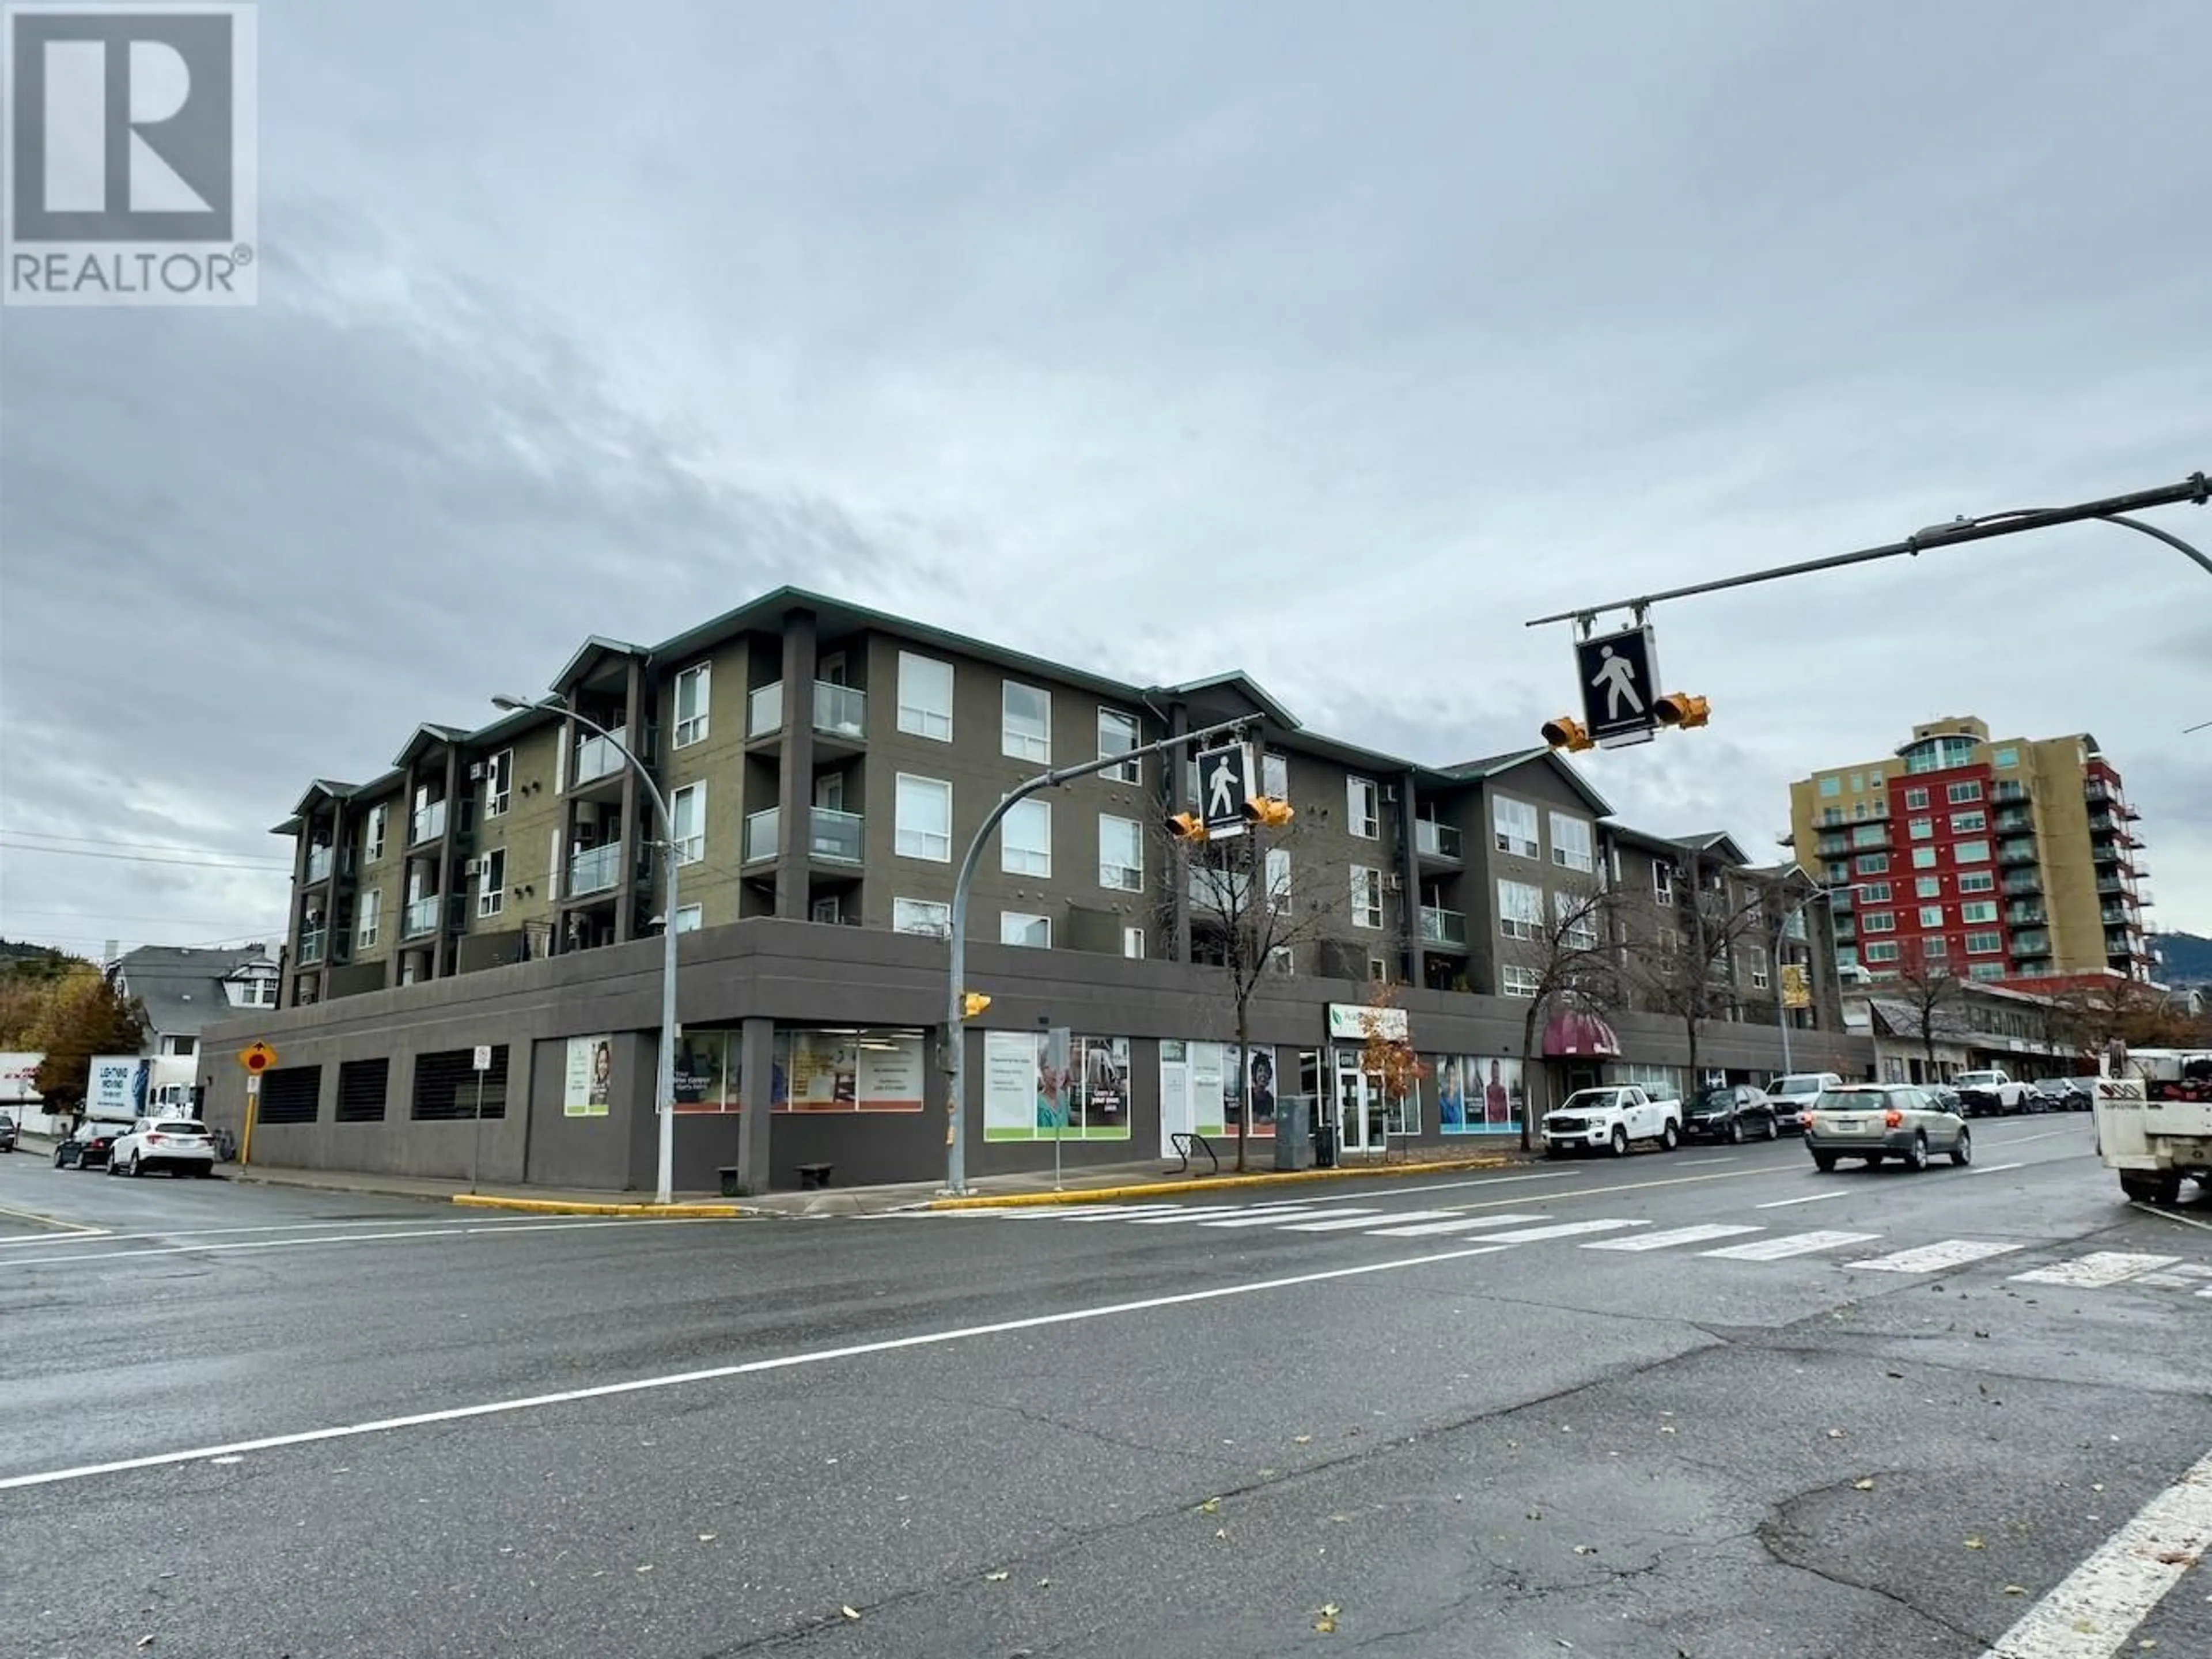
<point x="566" y="1207"/>
<point x="1211" y="1183"/>
<point x="51" y="1223"/>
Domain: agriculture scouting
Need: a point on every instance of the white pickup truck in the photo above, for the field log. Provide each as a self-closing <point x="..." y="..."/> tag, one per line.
<point x="1612" y="1117"/>
<point x="1991" y="1093"/>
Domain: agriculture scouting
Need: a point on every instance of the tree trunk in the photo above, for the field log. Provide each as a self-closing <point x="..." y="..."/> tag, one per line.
<point x="1691" y="1085"/>
<point x="1528" y="1075"/>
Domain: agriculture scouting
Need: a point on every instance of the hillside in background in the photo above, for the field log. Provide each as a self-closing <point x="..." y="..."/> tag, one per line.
<point x="2188" y="960"/>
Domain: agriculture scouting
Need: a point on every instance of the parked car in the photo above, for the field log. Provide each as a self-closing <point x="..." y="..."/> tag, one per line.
<point x="1946" y="1097"/>
<point x="2047" y="1094"/>
<point x="1794" y="1093"/>
<point x="1991" y="1093"/>
<point x="7" y="1132"/>
<point x="1878" y="1121"/>
<point x="1734" y="1114"/>
<point x="181" y="1146"/>
<point x="1611" y="1117"/>
<point x="88" y="1145"/>
<point x="2081" y="1093"/>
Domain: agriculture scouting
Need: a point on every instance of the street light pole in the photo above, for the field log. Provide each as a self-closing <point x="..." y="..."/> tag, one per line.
<point x="665" y="1069"/>
<point x="1821" y="895"/>
<point x="955" y="1059"/>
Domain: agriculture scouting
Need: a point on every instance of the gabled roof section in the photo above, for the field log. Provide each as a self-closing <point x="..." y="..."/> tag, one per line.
<point x="588" y="656"/>
<point x="1237" y="684"/>
<point x="323" y="789"/>
<point x="1719" y="843"/>
<point x="182" y="989"/>
<point x="1495" y="767"/>
<point x="429" y="735"/>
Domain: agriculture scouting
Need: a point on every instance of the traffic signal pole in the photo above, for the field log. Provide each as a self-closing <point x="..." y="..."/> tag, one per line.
<point x="955" y="1057"/>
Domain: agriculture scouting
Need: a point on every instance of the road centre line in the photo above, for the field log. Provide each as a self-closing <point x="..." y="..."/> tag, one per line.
<point x="745" y="1368"/>
<point x="2094" y="1611"/>
<point x="1809" y="1198"/>
<point x="360" y="1238"/>
<point x="1993" y="1169"/>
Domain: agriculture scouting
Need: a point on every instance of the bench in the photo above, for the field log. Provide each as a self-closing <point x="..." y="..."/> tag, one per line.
<point x="1183" y="1144"/>
<point x="814" y="1174"/>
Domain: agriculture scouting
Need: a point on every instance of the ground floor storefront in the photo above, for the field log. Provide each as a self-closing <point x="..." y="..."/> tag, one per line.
<point x="542" y="1073"/>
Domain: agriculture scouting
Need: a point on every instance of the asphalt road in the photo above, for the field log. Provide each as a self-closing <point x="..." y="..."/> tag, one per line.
<point x="1743" y="1411"/>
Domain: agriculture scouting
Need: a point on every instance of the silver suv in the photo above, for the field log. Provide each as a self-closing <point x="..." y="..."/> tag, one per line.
<point x="1876" y="1120"/>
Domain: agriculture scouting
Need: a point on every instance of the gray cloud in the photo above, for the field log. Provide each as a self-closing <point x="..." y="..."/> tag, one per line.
<point x="1328" y="349"/>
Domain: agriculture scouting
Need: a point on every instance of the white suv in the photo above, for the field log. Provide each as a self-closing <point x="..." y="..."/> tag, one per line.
<point x="176" y="1144"/>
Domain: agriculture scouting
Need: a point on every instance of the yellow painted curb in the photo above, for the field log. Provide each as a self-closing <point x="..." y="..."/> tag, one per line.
<point x="51" y="1223"/>
<point x="565" y="1207"/>
<point x="1210" y="1183"/>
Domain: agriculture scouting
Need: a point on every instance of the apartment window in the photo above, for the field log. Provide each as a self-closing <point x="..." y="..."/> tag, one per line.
<point x="1985" y="970"/>
<point x="1873" y="780"/>
<point x="1578" y="931"/>
<point x="1924" y="857"/>
<point x="1278" y="878"/>
<point x="1121" y="853"/>
<point x="1837" y="873"/>
<point x="380" y="818"/>
<point x="1275" y="776"/>
<point x="1117" y="735"/>
<point x="1883" y="951"/>
<point x="1878" y="921"/>
<point x="1872" y="864"/>
<point x="1922" y="828"/>
<point x="1662" y="883"/>
<point x="1282" y="961"/>
<point x="687" y="813"/>
<point x="1928" y="886"/>
<point x="1514" y="824"/>
<point x="1132" y="944"/>
<point x="2005" y="759"/>
<point x="1026" y="722"/>
<point x="1830" y="816"/>
<point x="1971" y="852"/>
<point x="1874" y="892"/>
<point x="1831" y="786"/>
<point x="1759" y="975"/>
<point x="1015" y="927"/>
<point x="1984" y="910"/>
<point x="1968" y="822"/>
<point x="1983" y="945"/>
<point x="498" y="781"/>
<point x="1915" y="800"/>
<point x="826" y="911"/>
<point x="1518" y="981"/>
<point x="1366" y="896"/>
<point x="1571" y="842"/>
<point x="1977" y="881"/>
<point x="921" y="916"/>
<point x="491" y="882"/>
<point x="1931" y="915"/>
<point x="925" y="819"/>
<point x="1520" y="910"/>
<point x="924" y="696"/>
<point x="1025" y="839"/>
<point x="1858" y="783"/>
<point x="1960" y="793"/>
<point x="1861" y="809"/>
<point x="1932" y="948"/>
<point x="1361" y="815"/>
<point x="690" y="917"/>
<point x="694" y="687"/>
<point x="368" y="920"/>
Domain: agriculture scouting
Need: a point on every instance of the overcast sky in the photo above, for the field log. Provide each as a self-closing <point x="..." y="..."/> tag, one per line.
<point x="1328" y="341"/>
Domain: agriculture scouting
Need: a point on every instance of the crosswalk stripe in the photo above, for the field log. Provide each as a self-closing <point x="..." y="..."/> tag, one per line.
<point x="1562" y="1230"/>
<point x="2096" y="1270"/>
<point x="1195" y="1212"/>
<point x="1342" y="1223"/>
<point x="1118" y="1212"/>
<point x="1933" y="1258"/>
<point x="1699" y="1235"/>
<point x="1276" y="1217"/>
<point x="1789" y="1244"/>
<point x="1462" y="1225"/>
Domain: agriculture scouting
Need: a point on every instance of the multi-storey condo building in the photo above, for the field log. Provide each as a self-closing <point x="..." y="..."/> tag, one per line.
<point x="2015" y="858"/>
<point x="826" y="766"/>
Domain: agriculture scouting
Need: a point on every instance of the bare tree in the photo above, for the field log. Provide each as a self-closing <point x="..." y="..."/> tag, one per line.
<point x="2139" y="1014"/>
<point x="1680" y="956"/>
<point x="1571" y="957"/>
<point x="1256" y="900"/>
<point x="1929" y="990"/>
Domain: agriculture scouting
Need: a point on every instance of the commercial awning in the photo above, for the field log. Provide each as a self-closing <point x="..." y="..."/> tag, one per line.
<point x="1575" y="1032"/>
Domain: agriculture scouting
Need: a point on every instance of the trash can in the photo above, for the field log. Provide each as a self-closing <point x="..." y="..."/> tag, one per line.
<point x="730" y="1187"/>
<point x="1294" y="1147"/>
<point x="1324" y="1137"/>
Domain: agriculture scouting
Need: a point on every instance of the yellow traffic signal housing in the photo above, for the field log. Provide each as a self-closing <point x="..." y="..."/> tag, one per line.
<point x="1681" y="709"/>
<point x="1566" y="732"/>
<point x="1187" y="826"/>
<point x="973" y="1003"/>
<point x="1268" y="809"/>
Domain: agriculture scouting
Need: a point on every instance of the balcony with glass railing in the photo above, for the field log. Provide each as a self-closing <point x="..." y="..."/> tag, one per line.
<point x="597" y="757"/>
<point x="837" y="837"/>
<point x="2015" y="820"/>
<point x="762" y="831"/>
<point x="2032" y="945"/>
<point x="2016" y="851"/>
<point x="764" y="710"/>
<point x="420" y="917"/>
<point x="1436" y="841"/>
<point x="2024" y="881"/>
<point x="595" y="869"/>
<point x="840" y="711"/>
<point x="319" y="864"/>
<point x="312" y="941"/>
<point x="1442" y="926"/>
<point x="2026" y="916"/>
<point x="426" y="824"/>
<point x="2004" y="793"/>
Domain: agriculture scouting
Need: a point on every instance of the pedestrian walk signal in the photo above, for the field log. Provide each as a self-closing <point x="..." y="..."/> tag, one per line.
<point x="1268" y="809"/>
<point x="1187" y="826"/>
<point x="1566" y="732"/>
<point x="1683" y="709"/>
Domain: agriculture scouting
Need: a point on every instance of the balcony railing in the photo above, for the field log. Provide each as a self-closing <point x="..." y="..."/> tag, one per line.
<point x="839" y="710"/>
<point x="1217" y="893"/>
<point x="596" y="758"/>
<point x="2017" y="821"/>
<point x="838" y="838"/>
<point x="2113" y="886"/>
<point x="763" y="830"/>
<point x="2026" y="916"/>
<point x="427" y="824"/>
<point x="595" y="869"/>
<point x="311" y="943"/>
<point x="2031" y="944"/>
<point x="319" y="864"/>
<point x="764" y="710"/>
<point x="1442" y="926"/>
<point x="1834" y="846"/>
<point x="2016" y="851"/>
<point x="1438" y="839"/>
<point x="2024" y="881"/>
<point x="420" y="917"/>
<point x="2005" y="793"/>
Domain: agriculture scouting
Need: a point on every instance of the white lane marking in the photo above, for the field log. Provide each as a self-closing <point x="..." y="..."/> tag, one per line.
<point x="2094" y="1271"/>
<point x="1118" y="1212"/>
<point x="1707" y="1162"/>
<point x="1041" y="1211"/>
<point x="1809" y="1198"/>
<point x="1698" y="1235"/>
<point x="1465" y="1223"/>
<point x="1273" y="1219"/>
<point x="2168" y="1215"/>
<point x="1194" y="1213"/>
<point x="1992" y="1169"/>
<point x="1448" y="1185"/>
<point x="1345" y="1220"/>
<point x="745" y="1368"/>
<point x="361" y="1238"/>
<point x="1932" y="1258"/>
<point x="272" y="1227"/>
<point x="2166" y="1281"/>
<point x="1563" y="1230"/>
<point x="1789" y="1244"/>
<point x="2097" y="1606"/>
<point x="53" y="1224"/>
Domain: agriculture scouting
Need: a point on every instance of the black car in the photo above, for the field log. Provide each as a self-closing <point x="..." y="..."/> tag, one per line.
<point x="86" y="1146"/>
<point x="1736" y="1113"/>
<point x="7" y="1132"/>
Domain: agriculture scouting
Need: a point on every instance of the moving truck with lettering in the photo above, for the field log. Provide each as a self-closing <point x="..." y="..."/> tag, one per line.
<point x="2153" y="1117"/>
